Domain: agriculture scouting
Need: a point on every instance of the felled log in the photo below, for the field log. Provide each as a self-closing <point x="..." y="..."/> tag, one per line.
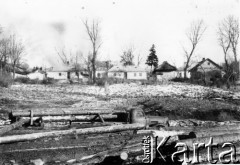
<point x="17" y="124"/>
<point x="106" y="129"/>
<point x="61" y="112"/>
<point x="74" y="118"/>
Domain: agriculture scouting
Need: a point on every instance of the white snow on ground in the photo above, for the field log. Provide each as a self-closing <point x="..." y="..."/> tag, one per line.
<point x="136" y="90"/>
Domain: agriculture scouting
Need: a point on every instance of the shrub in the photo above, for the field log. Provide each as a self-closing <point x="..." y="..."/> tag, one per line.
<point x="24" y="80"/>
<point x="179" y="79"/>
<point x="48" y="81"/>
<point x="5" y="79"/>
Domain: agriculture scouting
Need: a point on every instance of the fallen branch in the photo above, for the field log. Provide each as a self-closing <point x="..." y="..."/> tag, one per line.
<point x="17" y="124"/>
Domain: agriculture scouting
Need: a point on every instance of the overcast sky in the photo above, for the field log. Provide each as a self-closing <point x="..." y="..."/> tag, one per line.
<point x="44" y="25"/>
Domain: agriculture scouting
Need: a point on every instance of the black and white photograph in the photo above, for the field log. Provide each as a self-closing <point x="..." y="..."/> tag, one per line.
<point x="119" y="82"/>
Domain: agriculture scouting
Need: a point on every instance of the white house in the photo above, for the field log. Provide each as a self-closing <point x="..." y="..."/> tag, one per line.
<point x="38" y="74"/>
<point x="128" y="72"/>
<point x="58" y="74"/>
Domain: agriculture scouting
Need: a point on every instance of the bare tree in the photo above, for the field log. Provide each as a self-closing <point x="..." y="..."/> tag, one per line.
<point x="228" y="35"/>
<point x="93" y="31"/>
<point x="139" y="59"/>
<point x="224" y="42"/>
<point x="194" y="35"/>
<point x="128" y="56"/>
<point x="16" y="50"/>
<point x="64" y="56"/>
<point x="88" y="63"/>
<point x="228" y="38"/>
<point x="4" y="52"/>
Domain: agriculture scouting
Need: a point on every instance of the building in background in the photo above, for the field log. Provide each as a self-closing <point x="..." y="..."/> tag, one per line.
<point x="128" y="72"/>
<point x="165" y="71"/>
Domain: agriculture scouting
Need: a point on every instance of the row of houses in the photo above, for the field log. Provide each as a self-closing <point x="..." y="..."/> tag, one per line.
<point x="165" y="71"/>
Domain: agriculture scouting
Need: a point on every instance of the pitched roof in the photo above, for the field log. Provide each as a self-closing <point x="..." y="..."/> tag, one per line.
<point x="131" y="68"/>
<point x="201" y="62"/>
<point x="18" y="69"/>
<point x="165" y="67"/>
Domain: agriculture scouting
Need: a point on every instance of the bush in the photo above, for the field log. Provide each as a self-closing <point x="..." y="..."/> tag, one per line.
<point x="35" y="81"/>
<point x="110" y="80"/>
<point x="179" y="79"/>
<point x="48" y="81"/>
<point x="24" y="80"/>
<point x="5" y="79"/>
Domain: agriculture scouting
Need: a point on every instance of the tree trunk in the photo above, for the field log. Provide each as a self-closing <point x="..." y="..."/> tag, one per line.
<point x="185" y="73"/>
<point x="62" y="112"/>
<point x="13" y="72"/>
<point x="106" y="129"/>
<point x="93" y="69"/>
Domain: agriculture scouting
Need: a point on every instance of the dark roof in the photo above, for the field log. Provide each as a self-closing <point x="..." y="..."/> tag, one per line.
<point x="165" y="67"/>
<point x="18" y="69"/>
<point x="201" y="62"/>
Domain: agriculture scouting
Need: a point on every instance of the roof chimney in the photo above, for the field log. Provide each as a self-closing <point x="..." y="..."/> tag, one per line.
<point x="203" y="59"/>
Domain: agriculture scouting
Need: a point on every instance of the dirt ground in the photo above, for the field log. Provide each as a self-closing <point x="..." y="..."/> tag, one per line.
<point x="176" y="101"/>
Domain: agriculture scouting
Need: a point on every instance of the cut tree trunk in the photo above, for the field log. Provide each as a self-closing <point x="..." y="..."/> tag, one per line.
<point x="106" y="129"/>
<point x="62" y="111"/>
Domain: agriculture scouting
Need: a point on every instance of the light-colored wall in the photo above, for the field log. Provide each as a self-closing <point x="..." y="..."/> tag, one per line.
<point x="19" y="75"/>
<point x="137" y="75"/>
<point x="36" y="75"/>
<point x="207" y="66"/>
<point x="101" y="73"/>
<point x="116" y="74"/>
<point x="180" y="74"/>
<point x="74" y="76"/>
<point x="55" y="75"/>
<point x="167" y="76"/>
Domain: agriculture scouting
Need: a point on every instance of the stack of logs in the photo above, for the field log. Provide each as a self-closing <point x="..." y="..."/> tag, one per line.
<point x="110" y="134"/>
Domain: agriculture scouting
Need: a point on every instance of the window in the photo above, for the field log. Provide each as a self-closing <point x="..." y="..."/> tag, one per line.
<point x="99" y="75"/>
<point x="60" y="74"/>
<point x="115" y="74"/>
<point x="135" y="74"/>
<point x="208" y="63"/>
<point x="140" y="74"/>
<point x="119" y="74"/>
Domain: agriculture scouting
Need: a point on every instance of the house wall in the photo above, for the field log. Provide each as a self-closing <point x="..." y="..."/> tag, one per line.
<point x="100" y="73"/>
<point x="167" y="75"/>
<point x="207" y="66"/>
<point x="36" y="75"/>
<point x="116" y="74"/>
<point x="137" y="75"/>
<point x="73" y="75"/>
<point x="180" y="74"/>
<point x="19" y="75"/>
<point x="56" y="75"/>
